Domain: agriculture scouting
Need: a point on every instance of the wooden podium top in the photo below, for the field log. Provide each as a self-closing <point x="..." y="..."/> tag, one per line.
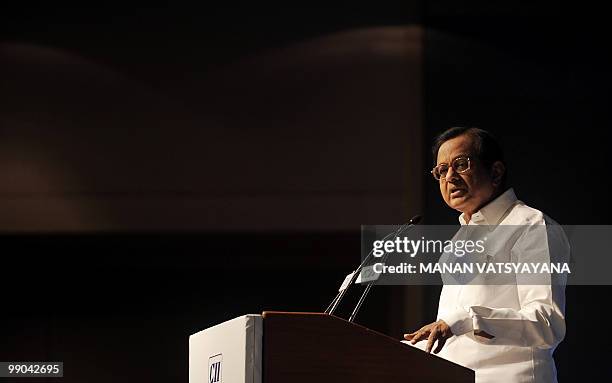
<point x="316" y="347"/>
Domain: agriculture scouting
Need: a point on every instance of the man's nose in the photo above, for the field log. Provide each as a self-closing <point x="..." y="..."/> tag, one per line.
<point x="451" y="175"/>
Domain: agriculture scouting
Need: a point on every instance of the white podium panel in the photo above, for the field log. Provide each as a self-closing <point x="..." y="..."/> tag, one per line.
<point x="229" y="352"/>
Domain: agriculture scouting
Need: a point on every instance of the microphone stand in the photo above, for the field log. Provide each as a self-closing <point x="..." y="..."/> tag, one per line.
<point x="338" y="298"/>
<point x="365" y="293"/>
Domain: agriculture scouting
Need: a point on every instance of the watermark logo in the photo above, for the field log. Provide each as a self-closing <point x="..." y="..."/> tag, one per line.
<point x="413" y="247"/>
<point x="470" y="254"/>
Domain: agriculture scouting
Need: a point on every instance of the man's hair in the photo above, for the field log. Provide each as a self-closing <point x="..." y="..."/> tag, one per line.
<point x="486" y="146"/>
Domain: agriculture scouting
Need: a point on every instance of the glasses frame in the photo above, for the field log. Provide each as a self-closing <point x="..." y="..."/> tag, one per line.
<point x="469" y="161"/>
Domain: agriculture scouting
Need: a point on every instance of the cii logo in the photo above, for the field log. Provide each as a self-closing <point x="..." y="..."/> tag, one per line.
<point x="214" y="368"/>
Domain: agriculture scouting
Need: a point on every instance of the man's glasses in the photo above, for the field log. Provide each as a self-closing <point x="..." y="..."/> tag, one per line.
<point x="459" y="165"/>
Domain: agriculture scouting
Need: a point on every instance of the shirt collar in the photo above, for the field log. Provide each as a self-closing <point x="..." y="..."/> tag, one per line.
<point x="492" y="213"/>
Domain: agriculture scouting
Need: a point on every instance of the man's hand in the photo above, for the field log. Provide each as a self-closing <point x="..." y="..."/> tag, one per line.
<point x="436" y="331"/>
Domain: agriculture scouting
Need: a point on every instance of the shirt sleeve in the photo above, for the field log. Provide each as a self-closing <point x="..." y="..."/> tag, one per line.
<point x="540" y="320"/>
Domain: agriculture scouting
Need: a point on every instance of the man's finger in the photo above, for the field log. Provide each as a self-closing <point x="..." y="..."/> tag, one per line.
<point x="414" y="337"/>
<point x="418" y="337"/>
<point x="441" y="343"/>
<point x="431" y="339"/>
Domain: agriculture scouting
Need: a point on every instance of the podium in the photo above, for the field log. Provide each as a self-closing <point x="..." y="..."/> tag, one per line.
<point x="285" y="347"/>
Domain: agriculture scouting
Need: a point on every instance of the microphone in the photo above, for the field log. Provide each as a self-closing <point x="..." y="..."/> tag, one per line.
<point x="353" y="276"/>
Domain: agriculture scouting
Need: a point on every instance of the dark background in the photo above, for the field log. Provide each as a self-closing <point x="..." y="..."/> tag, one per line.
<point x="117" y="300"/>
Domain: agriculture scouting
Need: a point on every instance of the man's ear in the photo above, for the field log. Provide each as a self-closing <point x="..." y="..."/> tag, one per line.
<point x="498" y="169"/>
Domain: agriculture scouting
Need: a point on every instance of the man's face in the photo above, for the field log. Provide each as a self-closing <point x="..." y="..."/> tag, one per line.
<point x="469" y="191"/>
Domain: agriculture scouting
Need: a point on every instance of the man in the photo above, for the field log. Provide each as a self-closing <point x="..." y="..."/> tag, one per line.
<point x="504" y="333"/>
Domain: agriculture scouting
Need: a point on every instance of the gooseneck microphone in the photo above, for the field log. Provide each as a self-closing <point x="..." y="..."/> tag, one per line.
<point x="353" y="277"/>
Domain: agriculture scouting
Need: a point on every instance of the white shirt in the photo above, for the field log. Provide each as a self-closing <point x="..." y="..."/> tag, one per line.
<point x="527" y="321"/>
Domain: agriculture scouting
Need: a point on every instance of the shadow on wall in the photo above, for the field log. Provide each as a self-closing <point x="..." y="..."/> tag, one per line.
<point x="316" y="135"/>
